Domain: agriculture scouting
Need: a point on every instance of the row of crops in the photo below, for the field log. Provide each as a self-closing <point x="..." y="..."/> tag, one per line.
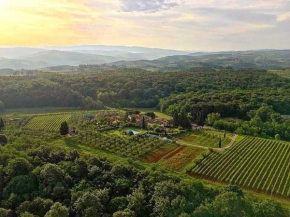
<point x="258" y="164"/>
<point x="134" y="147"/>
<point x="48" y="136"/>
<point x="48" y="123"/>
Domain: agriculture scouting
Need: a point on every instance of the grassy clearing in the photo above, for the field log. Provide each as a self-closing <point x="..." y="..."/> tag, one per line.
<point x="157" y="113"/>
<point x="119" y="132"/>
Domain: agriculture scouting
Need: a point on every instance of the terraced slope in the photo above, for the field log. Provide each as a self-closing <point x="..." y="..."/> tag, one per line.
<point x="258" y="164"/>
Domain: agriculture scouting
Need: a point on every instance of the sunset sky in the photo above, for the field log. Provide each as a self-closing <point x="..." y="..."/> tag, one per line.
<point x="177" y="24"/>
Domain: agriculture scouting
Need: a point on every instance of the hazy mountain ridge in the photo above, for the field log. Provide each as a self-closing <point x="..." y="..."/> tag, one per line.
<point x="153" y="59"/>
<point x="36" y="58"/>
<point x="274" y="59"/>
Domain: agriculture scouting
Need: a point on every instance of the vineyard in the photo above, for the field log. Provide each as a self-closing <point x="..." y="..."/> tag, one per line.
<point x="207" y="138"/>
<point x="134" y="147"/>
<point x="258" y="164"/>
<point x="50" y="123"/>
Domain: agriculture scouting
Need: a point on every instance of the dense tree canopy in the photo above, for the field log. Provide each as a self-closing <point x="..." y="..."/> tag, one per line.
<point x="34" y="182"/>
<point x="135" y="88"/>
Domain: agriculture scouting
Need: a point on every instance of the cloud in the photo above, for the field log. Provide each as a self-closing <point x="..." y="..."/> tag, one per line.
<point x="150" y="6"/>
<point x="176" y="24"/>
<point x="283" y="17"/>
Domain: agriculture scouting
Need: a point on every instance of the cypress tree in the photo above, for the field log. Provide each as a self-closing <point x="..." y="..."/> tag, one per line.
<point x="220" y="143"/>
<point x="1" y="124"/>
<point x="63" y="128"/>
<point x="175" y="119"/>
<point x="143" y="124"/>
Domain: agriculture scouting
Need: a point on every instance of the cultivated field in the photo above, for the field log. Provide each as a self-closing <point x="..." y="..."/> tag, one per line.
<point x="49" y="122"/>
<point x="207" y="138"/>
<point x="134" y="147"/>
<point x="174" y="157"/>
<point x="258" y="164"/>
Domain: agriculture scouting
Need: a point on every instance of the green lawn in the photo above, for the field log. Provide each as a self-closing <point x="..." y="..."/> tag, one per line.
<point x="208" y="138"/>
<point x="119" y="132"/>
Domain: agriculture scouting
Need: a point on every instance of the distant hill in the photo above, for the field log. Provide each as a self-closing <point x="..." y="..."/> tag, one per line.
<point x="18" y="64"/>
<point x="18" y="52"/>
<point x="6" y="71"/>
<point x="54" y="58"/>
<point x="265" y="59"/>
<point x="36" y="58"/>
<point x="153" y="59"/>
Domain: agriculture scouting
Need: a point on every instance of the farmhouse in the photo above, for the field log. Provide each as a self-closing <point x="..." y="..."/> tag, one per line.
<point x="137" y="118"/>
<point x="196" y="127"/>
<point x="164" y="122"/>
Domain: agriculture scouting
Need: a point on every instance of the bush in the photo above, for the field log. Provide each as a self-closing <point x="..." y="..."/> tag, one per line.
<point x="3" y="140"/>
<point x="277" y="137"/>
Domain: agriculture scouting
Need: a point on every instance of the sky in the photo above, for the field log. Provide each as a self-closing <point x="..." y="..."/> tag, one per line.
<point x="195" y="25"/>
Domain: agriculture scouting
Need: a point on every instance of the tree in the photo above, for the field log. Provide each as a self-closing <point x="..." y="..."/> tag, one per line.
<point x="225" y="134"/>
<point x="57" y="210"/>
<point x="3" y="140"/>
<point x="125" y="213"/>
<point x="157" y="130"/>
<point x="4" y="212"/>
<point x="175" y="118"/>
<point x="143" y="122"/>
<point x="63" y="128"/>
<point x="1" y="124"/>
<point x="269" y="208"/>
<point x="137" y="201"/>
<point x="18" y="166"/>
<point x="233" y="188"/>
<point x="240" y="131"/>
<point x="212" y="118"/>
<point x="220" y="143"/>
<point x="277" y="137"/>
<point x="88" y="205"/>
<point x="27" y="214"/>
<point x="51" y="174"/>
<point x="150" y="114"/>
<point x="23" y="185"/>
<point x="38" y="206"/>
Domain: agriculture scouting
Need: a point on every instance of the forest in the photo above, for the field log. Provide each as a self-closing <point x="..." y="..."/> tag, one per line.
<point x="188" y="96"/>
<point x="126" y="88"/>
<point x="45" y="180"/>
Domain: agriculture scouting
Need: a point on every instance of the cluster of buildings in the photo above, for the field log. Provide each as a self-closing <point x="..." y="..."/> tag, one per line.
<point x="134" y="120"/>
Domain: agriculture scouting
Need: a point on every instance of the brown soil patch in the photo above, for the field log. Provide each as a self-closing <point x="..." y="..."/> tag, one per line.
<point x="159" y="154"/>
